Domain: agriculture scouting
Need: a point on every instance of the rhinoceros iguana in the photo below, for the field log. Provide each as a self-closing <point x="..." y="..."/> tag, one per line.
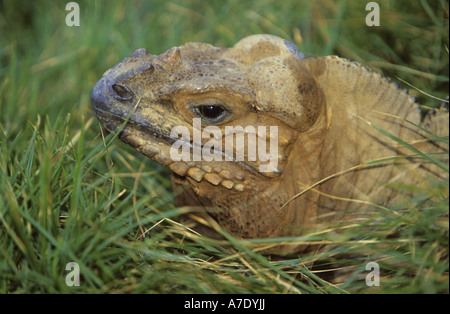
<point x="327" y="113"/>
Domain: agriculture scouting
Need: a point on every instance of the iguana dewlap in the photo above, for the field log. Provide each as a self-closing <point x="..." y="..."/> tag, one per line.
<point x="321" y="107"/>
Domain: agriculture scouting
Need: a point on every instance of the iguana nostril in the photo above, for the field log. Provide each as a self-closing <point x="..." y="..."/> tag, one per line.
<point x="122" y="92"/>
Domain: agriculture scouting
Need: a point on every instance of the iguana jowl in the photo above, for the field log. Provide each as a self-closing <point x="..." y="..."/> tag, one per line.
<point x="323" y="108"/>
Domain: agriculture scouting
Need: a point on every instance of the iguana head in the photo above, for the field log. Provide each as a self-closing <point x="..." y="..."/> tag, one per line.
<point x="257" y="83"/>
<point x="205" y="111"/>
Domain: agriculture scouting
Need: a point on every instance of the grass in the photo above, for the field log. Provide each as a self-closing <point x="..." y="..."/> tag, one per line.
<point x="73" y="194"/>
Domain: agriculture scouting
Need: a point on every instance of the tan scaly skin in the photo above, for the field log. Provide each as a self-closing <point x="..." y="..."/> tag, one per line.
<point x="321" y="106"/>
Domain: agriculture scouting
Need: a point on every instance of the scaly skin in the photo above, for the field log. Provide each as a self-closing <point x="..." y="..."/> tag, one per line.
<point x="321" y="107"/>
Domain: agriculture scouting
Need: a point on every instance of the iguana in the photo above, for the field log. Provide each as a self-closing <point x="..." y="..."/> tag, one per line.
<point x="328" y="113"/>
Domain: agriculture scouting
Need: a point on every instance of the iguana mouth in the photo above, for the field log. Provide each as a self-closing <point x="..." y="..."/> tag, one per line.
<point x="131" y="130"/>
<point x="156" y="145"/>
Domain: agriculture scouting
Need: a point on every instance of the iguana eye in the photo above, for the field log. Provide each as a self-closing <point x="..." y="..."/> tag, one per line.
<point x="212" y="113"/>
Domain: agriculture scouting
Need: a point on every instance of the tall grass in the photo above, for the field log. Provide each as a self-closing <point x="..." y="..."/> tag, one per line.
<point x="70" y="193"/>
